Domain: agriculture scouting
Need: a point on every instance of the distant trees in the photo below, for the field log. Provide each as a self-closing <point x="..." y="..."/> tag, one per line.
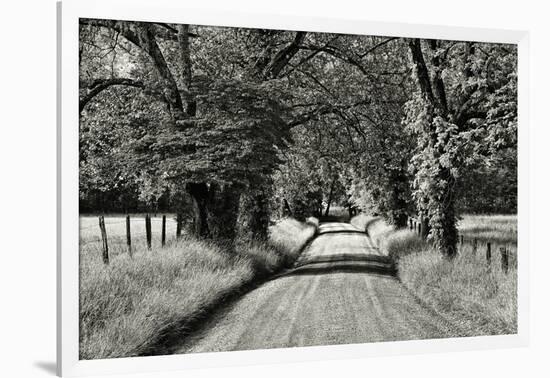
<point x="106" y="183"/>
<point x="366" y="89"/>
<point x="315" y="171"/>
<point x="490" y="186"/>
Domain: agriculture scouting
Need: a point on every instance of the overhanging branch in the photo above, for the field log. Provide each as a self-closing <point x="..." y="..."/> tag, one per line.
<point x="100" y="85"/>
<point x="377" y="46"/>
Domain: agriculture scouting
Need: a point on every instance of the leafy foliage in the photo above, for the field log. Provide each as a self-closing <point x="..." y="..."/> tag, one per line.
<point x="232" y="139"/>
<point x="265" y="120"/>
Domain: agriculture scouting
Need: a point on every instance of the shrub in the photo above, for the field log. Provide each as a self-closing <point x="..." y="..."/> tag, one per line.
<point x="400" y="243"/>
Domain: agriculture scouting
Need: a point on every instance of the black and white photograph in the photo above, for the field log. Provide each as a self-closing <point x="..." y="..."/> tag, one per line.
<point x="245" y="189"/>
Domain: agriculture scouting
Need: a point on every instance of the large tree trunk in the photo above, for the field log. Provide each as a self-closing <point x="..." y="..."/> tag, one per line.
<point x="199" y="193"/>
<point x="223" y="211"/>
<point x="255" y="213"/>
<point x="443" y="218"/>
<point x="215" y="211"/>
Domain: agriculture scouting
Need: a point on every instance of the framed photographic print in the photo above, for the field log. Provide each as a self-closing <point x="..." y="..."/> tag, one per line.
<point x="252" y="188"/>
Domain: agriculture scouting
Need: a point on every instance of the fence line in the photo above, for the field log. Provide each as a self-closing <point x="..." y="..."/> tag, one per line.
<point x="163" y="232"/>
<point x="105" y="249"/>
<point x="148" y="231"/>
<point x="419" y="225"/>
<point x="128" y="237"/>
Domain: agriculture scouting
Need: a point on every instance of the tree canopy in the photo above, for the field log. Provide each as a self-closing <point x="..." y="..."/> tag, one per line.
<point x="237" y="126"/>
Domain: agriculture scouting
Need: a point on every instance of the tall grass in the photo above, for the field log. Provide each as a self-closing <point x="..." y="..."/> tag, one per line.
<point x="480" y="295"/>
<point x="129" y="305"/>
<point x="500" y="229"/>
<point x="483" y="297"/>
<point x="377" y="229"/>
<point x="364" y="221"/>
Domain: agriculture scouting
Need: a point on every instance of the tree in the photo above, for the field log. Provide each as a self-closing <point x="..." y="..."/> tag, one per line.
<point x="210" y="199"/>
<point x="266" y="64"/>
<point x="453" y="118"/>
<point x="236" y="128"/>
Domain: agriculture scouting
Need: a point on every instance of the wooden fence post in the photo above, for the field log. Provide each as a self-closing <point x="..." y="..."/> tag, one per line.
<point x="474" y="248"/>
<point x="504" y="259"/>
<point x="105" y="251"/>
<point x="461" y="239"/>
<point x="179" y="223"/>
<point x="163" y="233"/>
<point x="488" y="254"/>
<point x="410" y="224"/>
<point x="148" y="230"/>
<point x="128" y="235"/>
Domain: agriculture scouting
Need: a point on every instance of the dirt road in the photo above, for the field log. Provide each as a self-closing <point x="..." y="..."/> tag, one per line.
<point x="341" y="291"/>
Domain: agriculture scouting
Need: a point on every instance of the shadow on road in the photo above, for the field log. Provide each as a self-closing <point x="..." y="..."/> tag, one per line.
<point x="344" y="267"/>
<point x="344" y="263"/>
<point x="334" y="218"/>
<point x="346" y="257"/>
<point x="342" y="232"/>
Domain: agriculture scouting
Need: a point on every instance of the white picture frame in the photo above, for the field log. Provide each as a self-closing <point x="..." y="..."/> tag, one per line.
<point x="174" y="11"/>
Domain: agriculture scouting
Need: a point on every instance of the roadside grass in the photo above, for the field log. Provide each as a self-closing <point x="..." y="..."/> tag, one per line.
<point x="377" y="229"/>
<point x="361" y="221"/>
<point x="132" y="304"/>
<point x="480" y="295"/>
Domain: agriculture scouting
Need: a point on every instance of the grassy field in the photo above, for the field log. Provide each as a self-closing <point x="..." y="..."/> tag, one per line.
<point x="498" y="229"/>
<point x="129" y="306"/>
<point x="482" y="296"/>
<point x="115" y="226"/>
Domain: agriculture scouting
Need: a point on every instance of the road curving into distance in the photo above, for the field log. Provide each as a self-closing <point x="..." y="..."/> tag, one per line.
<point x="341" y="290"/>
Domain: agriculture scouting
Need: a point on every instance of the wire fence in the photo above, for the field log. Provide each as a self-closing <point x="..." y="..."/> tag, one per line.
<point x="127" y="231"/>
<point x="491" y="249"/>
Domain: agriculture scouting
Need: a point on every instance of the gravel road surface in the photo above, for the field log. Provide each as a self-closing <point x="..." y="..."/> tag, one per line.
<point x="340" y="291"/>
